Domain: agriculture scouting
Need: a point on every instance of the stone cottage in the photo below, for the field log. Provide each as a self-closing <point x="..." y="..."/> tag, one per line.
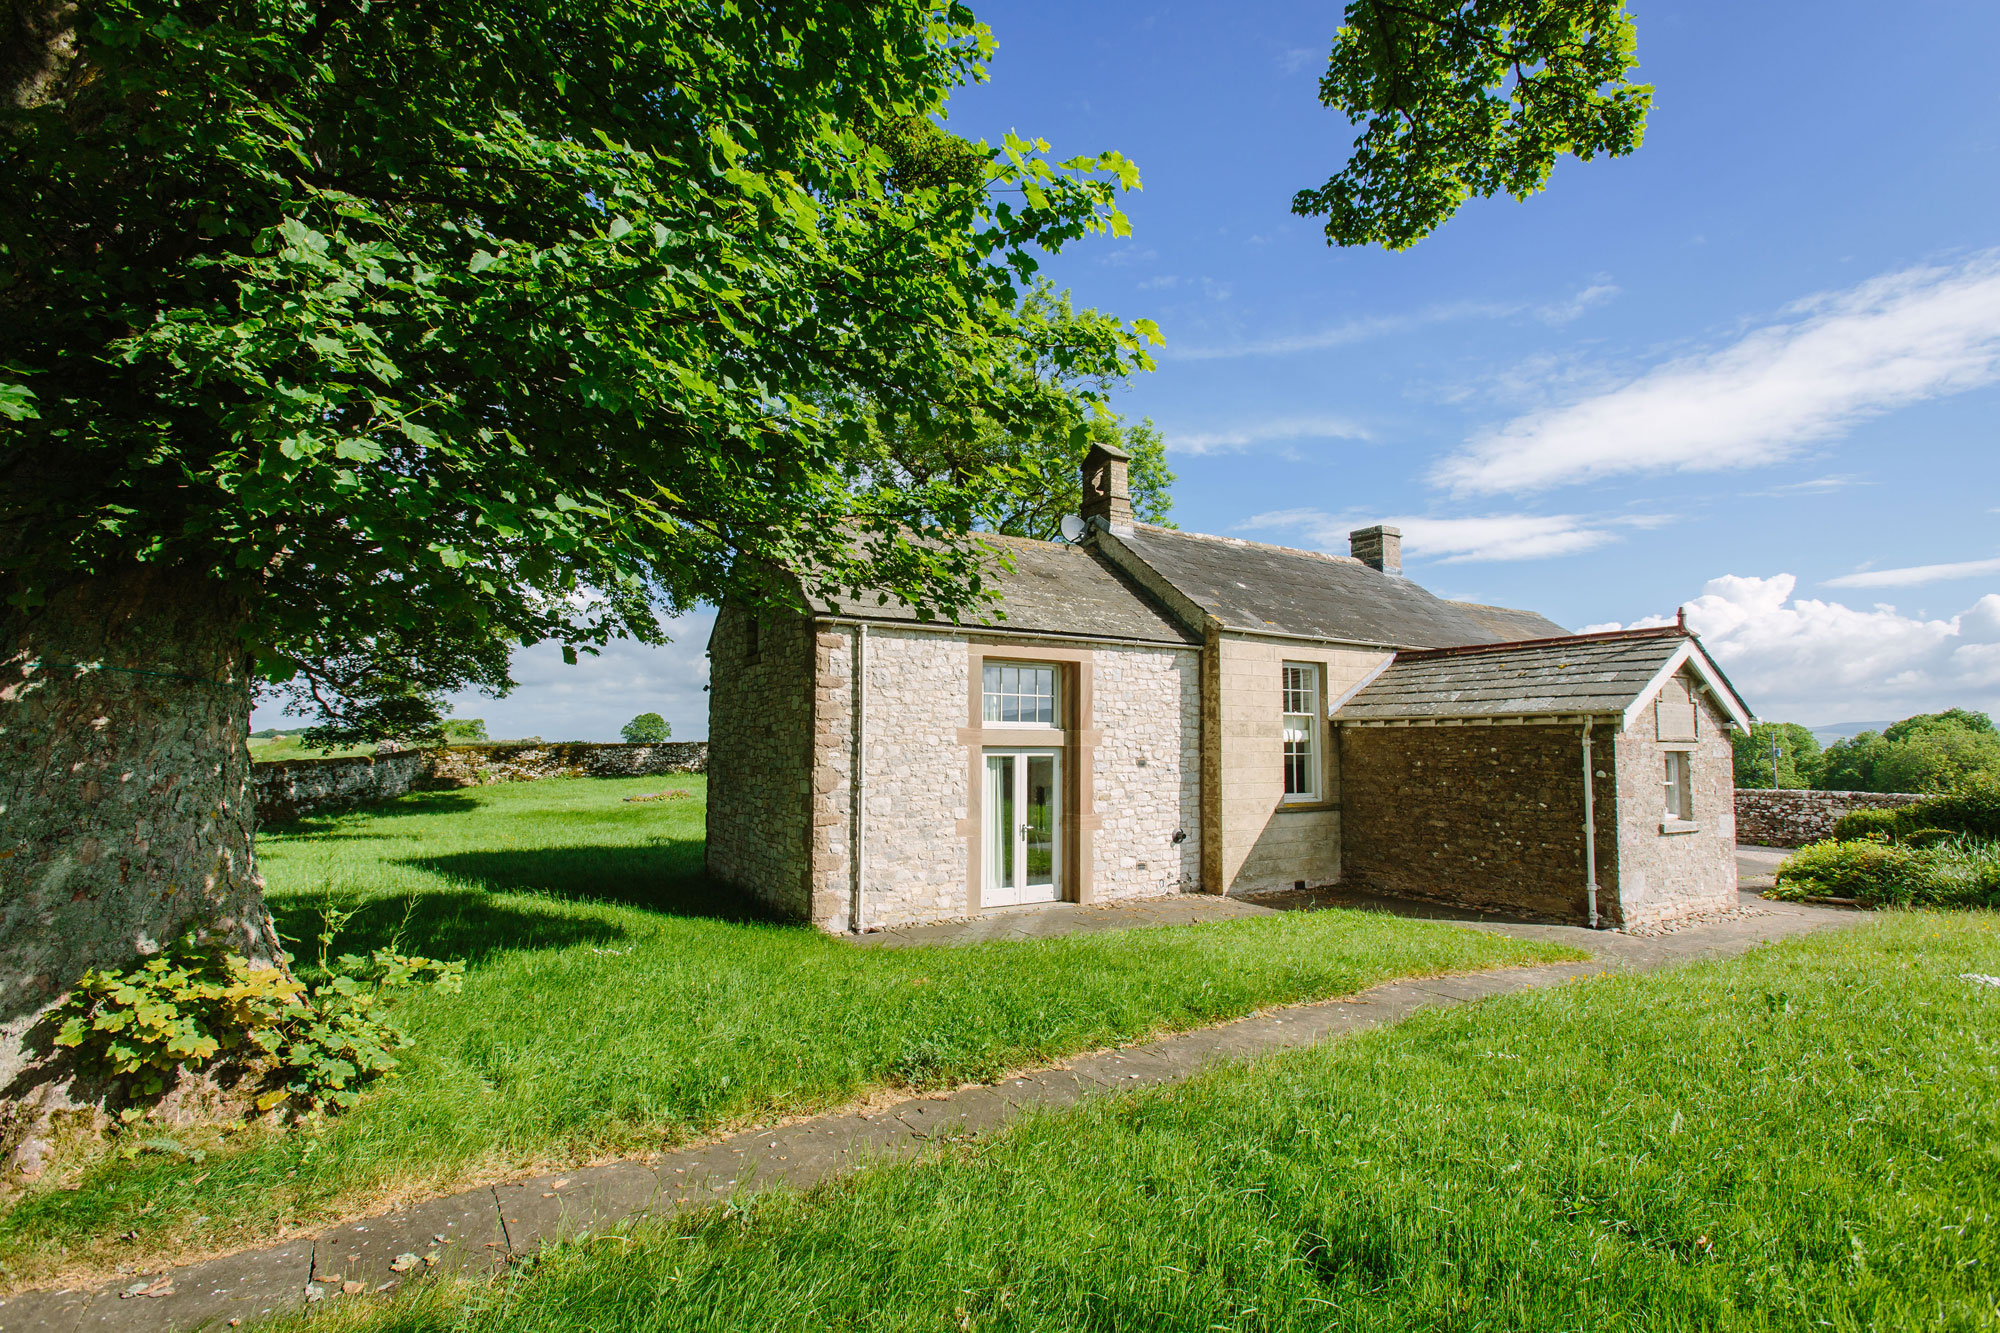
<point x="1150" y="711"/>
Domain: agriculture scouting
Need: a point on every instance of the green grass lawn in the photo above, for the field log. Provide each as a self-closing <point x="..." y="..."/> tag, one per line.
<point x="616" y="1003"/>
<point x="1804" y="1138"/>
<point x="271" y="749"/>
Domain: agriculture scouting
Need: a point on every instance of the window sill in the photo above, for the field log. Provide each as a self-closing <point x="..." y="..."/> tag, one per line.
<point x="1680" y="826"/>
<point x="1306" y="807"/>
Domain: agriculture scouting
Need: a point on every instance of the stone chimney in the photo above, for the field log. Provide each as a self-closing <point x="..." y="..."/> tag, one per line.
<point x="1107" y="495"/>
<point x="1379" y="547"/>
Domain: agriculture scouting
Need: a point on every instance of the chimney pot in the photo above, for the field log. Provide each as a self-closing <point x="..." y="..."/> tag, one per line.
<point x="1379" y="547"/>
<point x="1107" y="495"/>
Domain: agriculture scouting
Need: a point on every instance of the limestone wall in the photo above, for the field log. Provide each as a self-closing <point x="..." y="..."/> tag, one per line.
<point x="294" y="787"/>
<point x="1795" y="818"/>
<point x="1146" y="772"/>
<point x="916" y="777"/>
<point x="291" y="788"/>
<point x="1666" y="870"/>
<point x="760" y="732"/>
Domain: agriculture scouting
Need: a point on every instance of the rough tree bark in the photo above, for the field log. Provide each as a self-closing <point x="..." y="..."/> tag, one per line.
<point x="126" y="809"/>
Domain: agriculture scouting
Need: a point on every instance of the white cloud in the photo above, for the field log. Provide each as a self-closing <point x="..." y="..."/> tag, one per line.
<point x="1342" y="334"/>
<point x="1154" y="284"/>
<point x="1842" y="358"/>
<point x="1353" y="331"/>
<point x="1284" y="428"/>
<point x="1913" y="575"/>
<point x="1452" y="541"/>
<point x="1295" y="59"/>
<point x="1589" y="298"/>
<point x="1818" y="662"/>
<point x="593" y="699"/>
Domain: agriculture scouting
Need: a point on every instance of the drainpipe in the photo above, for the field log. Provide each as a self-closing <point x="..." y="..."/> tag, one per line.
<point x="1589" y="825"/>
<point x="860" y="775"/>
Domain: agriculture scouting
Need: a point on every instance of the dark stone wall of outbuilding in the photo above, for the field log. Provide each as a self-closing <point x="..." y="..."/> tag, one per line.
<point x="760" y="757"/>
<point x="1488" y="817"/>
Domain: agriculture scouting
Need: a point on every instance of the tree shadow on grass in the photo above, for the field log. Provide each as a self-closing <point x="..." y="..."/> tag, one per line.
<point x="450" y="923"/>
<point x="663" y="876"/>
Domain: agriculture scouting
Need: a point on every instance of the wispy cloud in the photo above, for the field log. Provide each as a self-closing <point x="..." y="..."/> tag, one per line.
<point x="1820" y="485"/>
<point x="1586" y="300"/>
<point x="1366" y="328"/>
<point x="1296" y="59"/>
<point x="1912" y="576"/>
<point x="1462" y="540"/>
<point x="1839" y="359"/>
<point x="1806" y="660"/>
<point x="1264" y="432"/>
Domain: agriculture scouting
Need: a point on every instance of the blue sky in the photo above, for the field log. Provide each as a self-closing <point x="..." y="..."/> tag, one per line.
<point x="1753" y="369"/>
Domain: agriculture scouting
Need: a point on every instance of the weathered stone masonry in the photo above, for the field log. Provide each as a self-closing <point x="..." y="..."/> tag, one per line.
<point x="290" y="788"/>
<point x="760" y="735"/>
<point x="1794" y="818"/>
<point x="1490" y="817"/>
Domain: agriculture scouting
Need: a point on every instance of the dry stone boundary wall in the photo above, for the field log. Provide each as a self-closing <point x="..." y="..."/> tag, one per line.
<point x="295" y="787"/>
<point x="1767" y="818"/>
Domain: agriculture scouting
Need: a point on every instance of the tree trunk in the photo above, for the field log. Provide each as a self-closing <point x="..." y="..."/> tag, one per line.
<point x="126" y="809"/>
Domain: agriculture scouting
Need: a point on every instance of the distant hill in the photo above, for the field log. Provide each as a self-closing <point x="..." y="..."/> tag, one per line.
<point x="1840" y="731"/>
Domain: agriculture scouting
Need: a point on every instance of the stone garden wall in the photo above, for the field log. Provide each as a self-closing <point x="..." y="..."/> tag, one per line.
<point x="1768" y="818"/>
<point x="295" y="787"/>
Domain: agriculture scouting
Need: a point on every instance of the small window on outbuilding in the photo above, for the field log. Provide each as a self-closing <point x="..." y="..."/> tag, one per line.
<point x="1679" y="804"/>
<point x="1301" y="691"/>
<point x="753" y="647"/>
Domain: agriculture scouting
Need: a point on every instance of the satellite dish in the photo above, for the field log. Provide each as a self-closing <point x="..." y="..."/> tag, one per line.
<point x="1072" y="527"/>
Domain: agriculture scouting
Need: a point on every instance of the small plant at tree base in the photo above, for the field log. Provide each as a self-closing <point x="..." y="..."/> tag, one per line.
<point x="316" y="1047"/>
<point x="646" y="729"/>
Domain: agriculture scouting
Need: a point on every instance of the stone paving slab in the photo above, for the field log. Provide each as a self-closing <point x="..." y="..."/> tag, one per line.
<point x="482" y="1229"/>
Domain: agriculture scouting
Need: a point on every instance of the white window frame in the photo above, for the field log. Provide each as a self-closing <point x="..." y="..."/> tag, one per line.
<point x="1677" y="787"/>
<point x="1306" y="713"/>
<point x="992" y="664"/>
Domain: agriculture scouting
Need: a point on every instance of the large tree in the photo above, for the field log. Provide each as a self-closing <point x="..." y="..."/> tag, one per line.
<point x="346" y="342"/>
<point x="1469" y="97"/>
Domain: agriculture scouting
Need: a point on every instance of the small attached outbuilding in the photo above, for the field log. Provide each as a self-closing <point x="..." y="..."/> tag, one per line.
<point x="1586" y="778"/>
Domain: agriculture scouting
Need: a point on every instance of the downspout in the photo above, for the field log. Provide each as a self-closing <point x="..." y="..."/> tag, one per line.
<point x="854" y="918"/>
<point x="1589" y="825"/>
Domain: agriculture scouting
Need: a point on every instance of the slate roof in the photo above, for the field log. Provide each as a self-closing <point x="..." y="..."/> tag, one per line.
<point x="1276" y="589"/>
<point x="1511" y="624"/>
<point x="1053" y="589"/>
<point x="1597" y="674"/>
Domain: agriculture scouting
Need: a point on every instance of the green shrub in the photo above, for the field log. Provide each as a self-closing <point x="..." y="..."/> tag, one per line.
<point x="1871" y="873"/>
<point x="315" y="1047"/>
<point x="1961" y="871"/>
<point x="1972" y="808"/>
<point x="1887" y="825"/>
<point x="1948" y="870"/>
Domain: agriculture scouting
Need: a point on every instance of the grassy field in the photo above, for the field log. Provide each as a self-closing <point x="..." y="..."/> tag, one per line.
<point x="270" y="749"/>
<point x="615" y="1003"/>
<point x="1804" y="1138"/>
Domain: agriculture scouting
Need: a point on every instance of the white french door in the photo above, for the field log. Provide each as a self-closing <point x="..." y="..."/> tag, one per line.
<point x="1023" y="828"/>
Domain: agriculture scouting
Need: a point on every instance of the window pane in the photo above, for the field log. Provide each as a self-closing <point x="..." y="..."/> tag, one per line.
<point x="1040" y="819"/>
<point x="1000" y="819"/>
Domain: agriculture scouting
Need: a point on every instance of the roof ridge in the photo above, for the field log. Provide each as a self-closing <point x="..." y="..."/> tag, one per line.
<point x="1601" y="636"/>
<point x="1327" y="556"/>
